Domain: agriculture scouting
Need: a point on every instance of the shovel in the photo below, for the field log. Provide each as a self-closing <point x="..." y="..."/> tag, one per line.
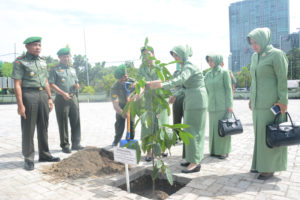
<point x="128" y="89"/>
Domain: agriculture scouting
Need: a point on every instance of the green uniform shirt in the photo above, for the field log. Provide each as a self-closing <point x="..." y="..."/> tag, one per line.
<point x="31" y="70"/>
<point x="64" y="77"/>
<point x="118" y="93"/>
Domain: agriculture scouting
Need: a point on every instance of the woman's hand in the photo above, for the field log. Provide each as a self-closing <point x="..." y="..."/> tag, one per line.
<point x="249" y="104"/>
<point x="230" y="109"/>
<point x="154" y="84"/>
<point x="283" y="108"/>
<point x="172" y="99"/>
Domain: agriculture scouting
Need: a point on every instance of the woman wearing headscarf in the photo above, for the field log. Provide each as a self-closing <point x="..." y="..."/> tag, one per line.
<point x="218" y="87"/>
<point x="145" y="71"/>
<point x="269" y="87"/>
<point x="195" y="105"/>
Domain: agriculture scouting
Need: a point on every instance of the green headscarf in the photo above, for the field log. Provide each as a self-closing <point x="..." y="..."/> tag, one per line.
<point x="120" y="71"/>
<point x="183" y="52"/>
<point x="216" y="58"/>
<point x="261" y="36"/>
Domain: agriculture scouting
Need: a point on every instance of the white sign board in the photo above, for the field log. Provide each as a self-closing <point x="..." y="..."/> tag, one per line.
<point x="124" y="155"/>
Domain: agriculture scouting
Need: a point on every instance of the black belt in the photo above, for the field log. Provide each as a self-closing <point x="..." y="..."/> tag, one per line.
<point x="33" y="88"/>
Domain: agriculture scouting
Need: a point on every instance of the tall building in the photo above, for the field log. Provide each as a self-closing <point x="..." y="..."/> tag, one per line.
<point x="290" y="41"/>
<point x="244" y="16"/>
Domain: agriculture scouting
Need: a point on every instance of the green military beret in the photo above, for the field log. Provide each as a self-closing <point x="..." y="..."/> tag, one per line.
<point x="63" y="51"/>
<point x="32" y="39"/>
<point x="120" y="71"/>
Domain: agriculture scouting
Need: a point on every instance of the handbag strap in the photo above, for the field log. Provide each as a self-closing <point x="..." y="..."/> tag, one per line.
<point x="225" y="116"/>
<point x="276" y="120"/>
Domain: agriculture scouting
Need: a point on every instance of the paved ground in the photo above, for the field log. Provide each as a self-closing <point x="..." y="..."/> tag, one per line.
<point x="228" y="179"/>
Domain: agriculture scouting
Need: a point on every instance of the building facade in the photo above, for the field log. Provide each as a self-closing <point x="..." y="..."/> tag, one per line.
<point x="244" y="16"/>
<point x="290" y="41"/>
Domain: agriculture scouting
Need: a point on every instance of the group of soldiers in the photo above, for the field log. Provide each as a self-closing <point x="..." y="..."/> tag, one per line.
<point x="34" y="100"/>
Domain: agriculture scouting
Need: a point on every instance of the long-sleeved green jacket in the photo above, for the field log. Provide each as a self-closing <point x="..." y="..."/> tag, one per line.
<point x="192" y="80"/>
<point x="268" y="72"/>
<point x="218" y="87"/>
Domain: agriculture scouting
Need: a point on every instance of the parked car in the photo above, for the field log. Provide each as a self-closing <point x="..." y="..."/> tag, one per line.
<point x="241" y="89"/>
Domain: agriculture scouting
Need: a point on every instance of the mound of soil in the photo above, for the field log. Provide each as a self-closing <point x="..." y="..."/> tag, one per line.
<point x="90" y="161"/>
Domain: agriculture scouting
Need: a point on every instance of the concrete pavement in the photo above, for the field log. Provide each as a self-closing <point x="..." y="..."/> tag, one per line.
<point x="218" y="179"/>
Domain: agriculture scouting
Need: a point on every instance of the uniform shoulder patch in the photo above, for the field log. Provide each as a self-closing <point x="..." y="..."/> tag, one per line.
<point x="114" y="95"/>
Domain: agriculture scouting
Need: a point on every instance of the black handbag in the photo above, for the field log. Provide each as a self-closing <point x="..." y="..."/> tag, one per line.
<point x="230" y="126"/>
<point x="282" y="134"/>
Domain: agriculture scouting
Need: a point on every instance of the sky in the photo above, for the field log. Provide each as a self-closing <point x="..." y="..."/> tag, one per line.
<point x="114" y="30"/>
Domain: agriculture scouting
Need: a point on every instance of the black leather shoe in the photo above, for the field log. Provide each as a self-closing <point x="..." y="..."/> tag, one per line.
<point x="265" y="176"/>
<point x="66" y="150"/>
<point x="148" y="159"/>
<point x="28" y="165"/>
<point x="79" y="147"/>
<point x="253" y="171"/>
<point x="164" y="155"/>
<point x="50" y="159"/>
<point x="185" y="164"/>
<point x="196" y="169"/>
<point x="222" y="156"/>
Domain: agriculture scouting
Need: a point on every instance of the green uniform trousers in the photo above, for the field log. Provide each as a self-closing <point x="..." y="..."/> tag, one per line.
<point x="217" y="145"/>
<point x="119" y="128"/>
<point x="197" y="120"/>
<point x="266" y="159"/>
<point x="65" y="110"/>
<point x="37" y="114"/>
<point x="178" y="110"/>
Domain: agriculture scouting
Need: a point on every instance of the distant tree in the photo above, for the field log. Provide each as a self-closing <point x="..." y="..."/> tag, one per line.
<point x="294" y="63"/>
<point x="6" y="69"/>
<point x="243" y="78"/>
<point x="107" y="82"/>
<point x="79" y="63"/>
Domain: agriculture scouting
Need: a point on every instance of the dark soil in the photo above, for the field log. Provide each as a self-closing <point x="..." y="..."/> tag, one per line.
<point x="143" y="187"/>
<point x="90" y="161"/>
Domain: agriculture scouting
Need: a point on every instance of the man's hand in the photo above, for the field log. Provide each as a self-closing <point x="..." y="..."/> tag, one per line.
<point x="172" y="99"/>
<point x="50" y="102"/>
<point x="66" y="96"/>
<point x="283" y="108"/>
<point x="249" y="104"/>
<point x="76" y="86"/>
<point x="21" y="111"/>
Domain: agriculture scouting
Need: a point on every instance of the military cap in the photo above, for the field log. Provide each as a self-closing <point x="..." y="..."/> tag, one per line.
<point x="120" y="71"/>
<point x="32" y="39"/>
<point x="63" y="51"/>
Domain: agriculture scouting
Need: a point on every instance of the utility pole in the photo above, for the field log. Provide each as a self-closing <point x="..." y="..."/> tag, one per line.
<point x="86" y="63"/>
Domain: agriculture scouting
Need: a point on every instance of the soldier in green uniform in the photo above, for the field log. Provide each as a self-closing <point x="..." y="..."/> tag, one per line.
<point x="145" y="71"/>
<point x="64" y="82"/>
<point x="220" y="100"/>
<point x="268" y="70"/>
<point x="195" y="105"/>
<point x="119" y="100"/>
<point x="34" y="101"/>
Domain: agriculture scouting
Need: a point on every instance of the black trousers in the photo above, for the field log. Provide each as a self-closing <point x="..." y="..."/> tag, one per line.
<point x="37" y="114"/>
<point x="119" y="128"/>
<point x="68" y="110"/>
<point x="178" y="110"/>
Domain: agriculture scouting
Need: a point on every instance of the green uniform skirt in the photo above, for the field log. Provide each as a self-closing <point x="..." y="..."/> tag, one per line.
<point x="266" y="159"/>
<point x="197" y="120"/>
<point x="217" y="145"/>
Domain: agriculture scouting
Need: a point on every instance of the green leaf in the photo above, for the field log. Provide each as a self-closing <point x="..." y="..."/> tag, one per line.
<point x="155" y="173"/>
<point x="137" y="122"/>
<point x="142" y="83"/>
<point x="125" y="109"/>
<point x="158" y="164"/>
<point x="160" y="75"/>
<point x="156" y="149"/>
<point x="187" y="134"/>
<point x="146" y="42"/>
<point x="169" y="176"/>
<point x="176" y="126"/>
<point x="184" y="138"/>
<point x="157" y="62"/>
